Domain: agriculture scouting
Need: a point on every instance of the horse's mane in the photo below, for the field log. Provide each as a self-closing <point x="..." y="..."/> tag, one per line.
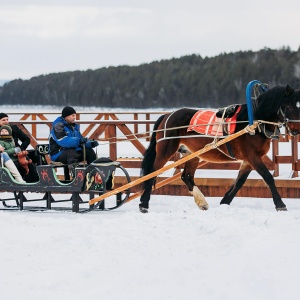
<point x="269" y="102"/>
<point x="266" y="105"/>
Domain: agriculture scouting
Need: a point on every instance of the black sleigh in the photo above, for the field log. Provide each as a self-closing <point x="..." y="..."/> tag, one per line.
<point x="59" y="192"/>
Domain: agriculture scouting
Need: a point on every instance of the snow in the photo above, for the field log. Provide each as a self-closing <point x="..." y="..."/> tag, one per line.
<point x="176" y="251"/>
<point x="245" y="251"/>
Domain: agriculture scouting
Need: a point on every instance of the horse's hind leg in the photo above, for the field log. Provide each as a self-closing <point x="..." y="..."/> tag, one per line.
<point x="145" y="198"/>
<point x="244" y="172"/>
<point x="188" y="178"/>
<point x="160" y="160"/>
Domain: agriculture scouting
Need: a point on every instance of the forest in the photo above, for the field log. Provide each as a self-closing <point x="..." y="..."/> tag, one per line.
<point x="188" y="81"/>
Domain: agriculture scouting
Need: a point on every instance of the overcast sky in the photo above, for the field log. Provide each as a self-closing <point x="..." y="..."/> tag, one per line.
<point x="41" y="37"/>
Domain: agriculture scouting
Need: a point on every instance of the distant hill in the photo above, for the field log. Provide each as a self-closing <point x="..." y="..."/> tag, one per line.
<point x="2" y="81"/>
<point x="190" y="81"/>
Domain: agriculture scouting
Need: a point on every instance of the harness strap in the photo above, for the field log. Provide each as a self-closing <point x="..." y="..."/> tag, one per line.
<point x="230" y="151"/>
<point x="269" y="134"/>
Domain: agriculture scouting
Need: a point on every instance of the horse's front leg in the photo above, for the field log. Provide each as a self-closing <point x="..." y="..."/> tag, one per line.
<point x="188" y="178"/>
<point x="263" y="171"/>
<point x="244" y="172"/>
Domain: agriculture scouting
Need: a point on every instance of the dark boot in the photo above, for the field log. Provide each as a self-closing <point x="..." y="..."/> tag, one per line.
<point x="72" y="170"/>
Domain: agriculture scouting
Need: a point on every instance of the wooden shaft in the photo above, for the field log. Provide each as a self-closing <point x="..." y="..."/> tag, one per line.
<point x="161" y="183"/>
<point x="249" y="128"/>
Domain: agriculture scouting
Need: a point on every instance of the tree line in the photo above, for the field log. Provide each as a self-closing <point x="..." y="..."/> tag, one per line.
<point x="188" y="81"/>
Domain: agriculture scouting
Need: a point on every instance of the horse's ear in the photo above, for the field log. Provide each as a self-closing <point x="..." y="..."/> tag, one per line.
<point x="288" y="90"/>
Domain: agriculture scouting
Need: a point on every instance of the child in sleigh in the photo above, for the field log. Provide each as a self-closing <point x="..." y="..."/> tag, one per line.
<point x="9" y="152"/>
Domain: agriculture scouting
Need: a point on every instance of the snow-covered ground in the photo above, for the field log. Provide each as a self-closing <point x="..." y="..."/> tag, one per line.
<point x="245" y="251"/>
<point x="176" y="251"/>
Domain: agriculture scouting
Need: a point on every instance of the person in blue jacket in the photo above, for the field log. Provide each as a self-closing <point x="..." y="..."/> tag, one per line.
<point x="66" y="141"/>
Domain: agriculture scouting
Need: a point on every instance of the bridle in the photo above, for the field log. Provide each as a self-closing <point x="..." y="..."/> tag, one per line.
<point x="282" y="112"/>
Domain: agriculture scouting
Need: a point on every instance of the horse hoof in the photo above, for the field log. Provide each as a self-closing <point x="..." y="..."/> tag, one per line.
<point x="281" y="208"/>
<point x="143" y="210"/>
<point x="204" y="207"/>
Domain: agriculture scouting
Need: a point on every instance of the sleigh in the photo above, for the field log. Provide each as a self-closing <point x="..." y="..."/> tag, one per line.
<point x="89" y="181"/>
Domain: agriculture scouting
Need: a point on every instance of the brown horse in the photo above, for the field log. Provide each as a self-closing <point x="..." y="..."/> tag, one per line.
<point x="278" y="106"/>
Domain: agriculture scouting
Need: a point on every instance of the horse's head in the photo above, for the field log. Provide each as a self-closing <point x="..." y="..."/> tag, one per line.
<point x="289" y="111"/>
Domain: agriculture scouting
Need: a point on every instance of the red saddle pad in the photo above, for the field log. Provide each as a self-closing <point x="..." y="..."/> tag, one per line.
<point x="206" y="122"/>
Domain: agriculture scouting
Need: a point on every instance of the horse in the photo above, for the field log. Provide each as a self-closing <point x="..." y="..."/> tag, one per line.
<point x="276" y="107"/>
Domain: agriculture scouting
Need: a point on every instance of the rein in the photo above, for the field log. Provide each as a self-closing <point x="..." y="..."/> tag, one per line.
<point x="279" y="124"/>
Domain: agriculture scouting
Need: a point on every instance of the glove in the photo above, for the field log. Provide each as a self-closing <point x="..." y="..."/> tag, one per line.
<point x="94" y="144"/>
<point x="83" y="140"/>
<point x="17" y="150"/>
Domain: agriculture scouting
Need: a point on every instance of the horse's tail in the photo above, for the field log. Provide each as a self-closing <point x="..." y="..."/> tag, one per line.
<point x="150" y="154"/>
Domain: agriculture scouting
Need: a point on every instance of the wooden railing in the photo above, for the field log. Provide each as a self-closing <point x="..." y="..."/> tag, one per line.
<point x="113" y="128"/>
